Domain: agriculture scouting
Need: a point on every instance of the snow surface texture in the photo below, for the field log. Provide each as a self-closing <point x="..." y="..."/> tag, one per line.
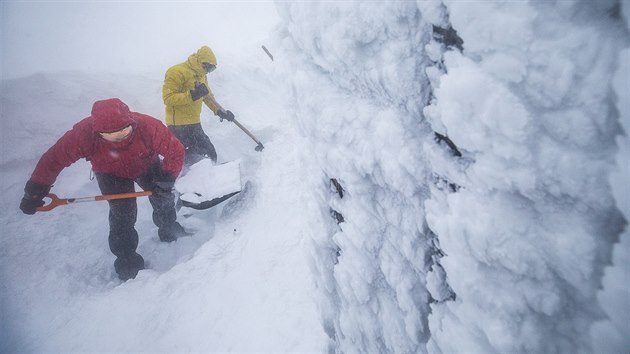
<point x="523" y="207"/>
<point x="356" y="230"/>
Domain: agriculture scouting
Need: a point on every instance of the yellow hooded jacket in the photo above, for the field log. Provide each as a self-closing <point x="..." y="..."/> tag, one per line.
<point x="179" y="80"/>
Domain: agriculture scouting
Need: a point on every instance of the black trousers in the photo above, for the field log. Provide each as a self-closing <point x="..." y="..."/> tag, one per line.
<point x="123" y="237"/>
<point x="197" y="143"/>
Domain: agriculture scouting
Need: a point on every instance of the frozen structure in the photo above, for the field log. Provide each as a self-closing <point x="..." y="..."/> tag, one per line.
<point x="468" y="154"/>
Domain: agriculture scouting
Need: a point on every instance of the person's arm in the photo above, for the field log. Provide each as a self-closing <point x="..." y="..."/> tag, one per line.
<point x="173" y="92"/>
<point x="72" y="146"/>
<point x="212" y="103"/>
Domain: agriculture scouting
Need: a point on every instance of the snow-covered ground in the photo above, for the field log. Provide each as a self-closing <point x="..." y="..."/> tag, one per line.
<point x="357" y="230"/>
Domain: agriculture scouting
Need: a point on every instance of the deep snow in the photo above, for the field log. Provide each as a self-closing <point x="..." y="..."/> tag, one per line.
<point x="356" y="230"/>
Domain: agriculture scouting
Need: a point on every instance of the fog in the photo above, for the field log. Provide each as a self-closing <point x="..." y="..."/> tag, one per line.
<point x="127" y="37"/>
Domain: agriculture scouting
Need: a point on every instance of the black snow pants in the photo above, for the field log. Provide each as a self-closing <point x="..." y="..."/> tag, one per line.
<point x="197" y="143"/>
<point x="123" y="237"/>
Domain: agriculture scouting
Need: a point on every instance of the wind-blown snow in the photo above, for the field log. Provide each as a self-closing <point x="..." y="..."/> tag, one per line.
<point x="416" y="193"/>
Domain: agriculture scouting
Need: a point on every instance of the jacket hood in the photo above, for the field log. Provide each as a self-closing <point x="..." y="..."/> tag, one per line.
<point x="206" y="55"/>
<point x="203" y="55"/>
<point x="110" y="115"/>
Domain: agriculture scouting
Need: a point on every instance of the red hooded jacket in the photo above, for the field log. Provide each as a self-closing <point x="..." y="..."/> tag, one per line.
<point x="130" y="158"/>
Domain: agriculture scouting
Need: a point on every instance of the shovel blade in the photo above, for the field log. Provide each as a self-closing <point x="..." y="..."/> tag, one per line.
<point x="207" y="204"/>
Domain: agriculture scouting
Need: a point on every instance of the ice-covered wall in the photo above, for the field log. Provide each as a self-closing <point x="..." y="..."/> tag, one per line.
<point x="530" y="101"/>
<point x="610" y="334"/>
<point x="496" y="237"/>
<point x="357" y="85"/>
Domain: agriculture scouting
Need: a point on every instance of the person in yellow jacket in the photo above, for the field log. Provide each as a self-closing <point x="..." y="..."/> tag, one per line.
<point x="185" y="88"/>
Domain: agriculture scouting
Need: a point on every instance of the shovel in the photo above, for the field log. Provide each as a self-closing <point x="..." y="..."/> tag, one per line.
<point x="56" y="201"/>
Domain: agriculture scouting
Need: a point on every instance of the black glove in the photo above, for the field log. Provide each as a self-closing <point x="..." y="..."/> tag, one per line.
<point x="199" y="91"/>
<point x="164" y="182"/>
<point x="33" y="197"/>
<point x="227" y="115"/>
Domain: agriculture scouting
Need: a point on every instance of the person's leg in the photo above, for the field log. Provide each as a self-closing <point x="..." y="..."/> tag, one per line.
<point x="123" y="237"/>
<point x="163" y="203"/>
<point x="202" y="143"/>
<point x="197" y="143"/>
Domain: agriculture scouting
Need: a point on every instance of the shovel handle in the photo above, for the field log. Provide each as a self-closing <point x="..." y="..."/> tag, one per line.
<point x="55" y="201"/>
<point x="123" y="195"/>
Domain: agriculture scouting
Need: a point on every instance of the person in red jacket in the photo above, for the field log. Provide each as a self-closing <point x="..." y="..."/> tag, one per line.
<point x="123" y="147"/>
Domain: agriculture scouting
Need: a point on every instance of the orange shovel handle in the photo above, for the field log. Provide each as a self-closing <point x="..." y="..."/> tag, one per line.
<point x="56" y="201"/>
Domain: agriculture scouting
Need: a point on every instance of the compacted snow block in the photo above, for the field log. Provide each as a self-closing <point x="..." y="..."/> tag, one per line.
<point x="206" y="184"/>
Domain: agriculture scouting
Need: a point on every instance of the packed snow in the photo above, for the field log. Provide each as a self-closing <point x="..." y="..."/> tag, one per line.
<point x="438" y="176"/>
<point x="206" y="181"/>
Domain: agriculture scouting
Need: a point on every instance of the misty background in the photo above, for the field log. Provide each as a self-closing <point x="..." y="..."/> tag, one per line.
<point x="125" y="36"/>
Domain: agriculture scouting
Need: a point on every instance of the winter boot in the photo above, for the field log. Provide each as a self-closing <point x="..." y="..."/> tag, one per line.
<point x="171" y="232"/>
<point x="128" y="266"/>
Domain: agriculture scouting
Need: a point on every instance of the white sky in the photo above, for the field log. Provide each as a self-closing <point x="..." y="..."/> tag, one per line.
<point x="124" y="36"/>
